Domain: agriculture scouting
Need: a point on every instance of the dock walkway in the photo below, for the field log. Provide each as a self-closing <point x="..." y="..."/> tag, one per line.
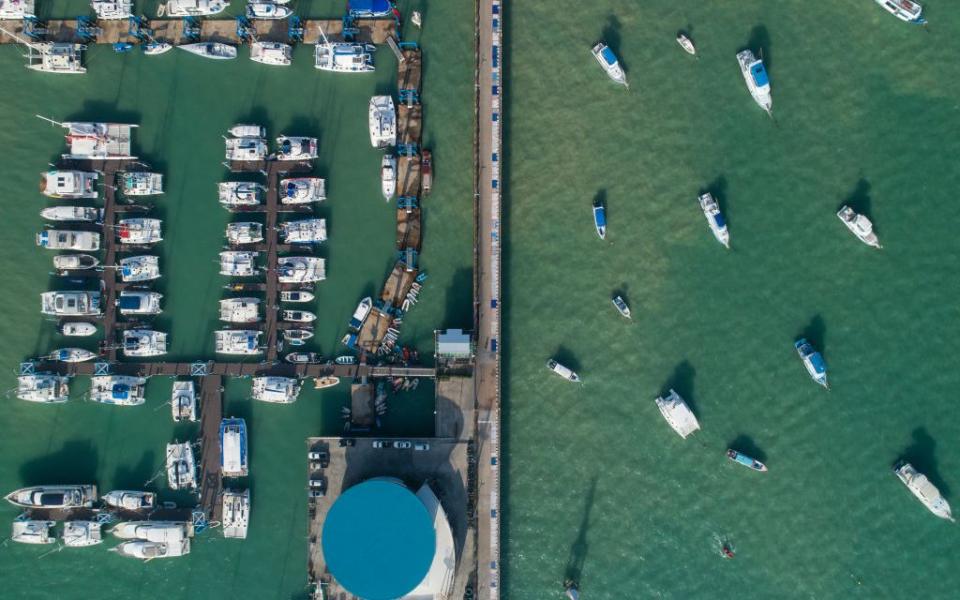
<point x="211" y="413"/>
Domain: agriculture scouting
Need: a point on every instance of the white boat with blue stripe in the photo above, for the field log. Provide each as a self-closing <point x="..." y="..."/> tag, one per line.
<point x="813" y="361"/>
<point x="718" y="225"/>
<point x="608" y="60"/>
<point x="755" y="74"/>
<point x="600" y="219"/>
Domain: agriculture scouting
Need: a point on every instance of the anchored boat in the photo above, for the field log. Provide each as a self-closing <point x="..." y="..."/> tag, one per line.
<point x="301" y="269"/>
<point x="74" y="262"/>
<point x="80" y="534"/>
<point x="302" y="190"/>
<point x="28" y="531"/>
<point x="130" y="500"/>
<point x="234" y="263"/>
<point x="72" y="213"/>
<point x="144" y="342"/>
<point x="236" y="513"/>
<point x="563" y="371"/>
<point x="233" y="447"/>
<point x="608" y="61"/>
<point x="271" y="53"/>
<point x="296" y="296"/>
<point x="181" y="467"/>
<point x="213" y="50"/>
<point x="192" y="8"/>
<point x="246" y="232"/>
<point x="44" y="388"/>
<point x="813" y="361"/>
<point x="621" y="305"/>
<point x="135" y="269"/>
<point x="926" y="492"/>
<point x="72" y="355"/>
<point x="279" y="390"/>
<point x="240" y="310"/>
<point x="860" y="226"/>
<point x="70" y="304"/>
<point x="119" y="390"/>
<point x="237" y="342"/>
<point x="755" y="75"/>
<point x="296" y="148"/>
<point x="307" y="231"/>
<point x="183" y="401"/>
<point x="388" y="176"/>
<point x="743" y="459"/>
<point x="711" y="210"/>
<point x="382" y="122"/>
<point x="677" y="414"/>
<point x="905" y="10"/>
<point x="62" y="239"/>
<point x="54" y="496"/>
<point x="139" y="231"/>
<point x="686" y="43"/>
<point x="69" y="184"/>
<point x="600" y="219"/>
<point x="141" y="183"/>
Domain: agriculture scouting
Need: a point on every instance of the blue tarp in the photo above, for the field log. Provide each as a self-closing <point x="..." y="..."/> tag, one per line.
<point x="818" y="363"/>
<point x="608" y="56"/>
<point x="759" y="74"/>
<point x="129" y="302"/>
<point x="600" y="217"/>
<point x="718" y="218"/>
<point x="369" y="8"/>
<point x="121" y="391"/>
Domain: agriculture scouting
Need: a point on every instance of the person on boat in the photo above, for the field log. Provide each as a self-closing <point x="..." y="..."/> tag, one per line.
<point x="727" y="551"/>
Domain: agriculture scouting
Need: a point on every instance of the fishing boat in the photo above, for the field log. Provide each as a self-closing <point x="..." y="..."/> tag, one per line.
<point x="54" y="496"/>
<point x="382" y="117"/>
<point x="212" y="50"/>
<point x="139" y="231"/>
<point x="181" y="467"/>
<point x="130" y="499"/>
<point x="344" y="57"/>
<point x="192" y="8"/>
<point x="141" y="183"/>
<point x="361" y="313"/>
<point x="74" y="262"/>
<point x="301" y="269"/>
<point x="307" y="231"/>
<point x="563" y="371"/>
<point x="296" y="296"/>
<point x="860" y="226"/>
<point x="600" y="219"/>
<point x="297" y="316"/>
<point x="279" y="390"/>
<point x="235" y="514"/>
<point x="138" y="302"/>
<point x="388" y="176"/>
<point x="29" y="531"/>
<point x="240" y="310"/>
<point x="233" y="447"/>
<point x="608" y="61"/>
<point x="237" y="341"/>
<point x="234" y="263"/>
<point x="70" y="304"/>
<point x="43" y="388"/>
<point x="262" y="9"/>
<point x="72" y="355"/>
<point x="297" y="337"/>
<point x="77" y="329"/>
<point x="63" y="239"/>
<point x="426" y="171"/>
<point x="140" y="268"/>
<point x="183" y="401"/>
<point x="926" y="492"/>
<point x="813" y="361"/>
<point x="686" y="43"/>
<point x="345" y="360"/>
<point x="303" y="358"/>
<point x="711" y="210"/>
<point x="302" y="190"/>
<point x="677" y="414"/>
<point x="240" y="193"/>
<point x="119" y="390"/>
<point x="271" y="53"/>
<point x="245" y="148"/>
<point x="296" y="148"/>
<point x="72" y="213"/>
<point x="755" y="75"/>
<point x="69" y="184"/>
<point x="147" y="551"/>
<point x="743" y="459"/>
<point x="112" y="9"/>
<point x="156" y="48"/>
<point x="246" y="232"/>
<point x="81" y="534"/>
<point x="621" y="305"/>
<point x="16" y="9"/>
<point x="905" y="10"/>
<point x="321" y="383"/>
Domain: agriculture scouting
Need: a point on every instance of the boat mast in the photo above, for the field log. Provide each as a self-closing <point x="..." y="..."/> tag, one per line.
<point x="25" y="42"/>
<point x="326" y="42"/>
<point x="49" y="120"/>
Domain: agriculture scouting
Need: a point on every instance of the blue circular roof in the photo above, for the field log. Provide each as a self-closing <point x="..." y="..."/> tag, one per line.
<point x="378" y="540"/>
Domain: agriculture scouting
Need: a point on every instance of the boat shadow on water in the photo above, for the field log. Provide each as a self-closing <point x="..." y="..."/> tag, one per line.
<point x="759" y="42"/>
<point x="744" y="444"/>
<point x="610" y="34"/>
<point x="127" y="477"/>
<point x="816" y="333"/>
<point x="921" y="453"/>
<point x="579" y="548"/>
<point x="681" y="381"/>
<point x="859" y="199"/>
<point x="75" y="462"/>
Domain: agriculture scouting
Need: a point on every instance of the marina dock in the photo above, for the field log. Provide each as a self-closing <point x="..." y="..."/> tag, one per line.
<point x="211" y="413"/>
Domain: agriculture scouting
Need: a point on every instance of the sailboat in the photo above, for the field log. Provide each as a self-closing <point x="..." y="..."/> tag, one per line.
<point x="47" y="57"/>
<point x="600" y="219"/>
<point x="72" y="355"/>
<point x="302" y="190"/>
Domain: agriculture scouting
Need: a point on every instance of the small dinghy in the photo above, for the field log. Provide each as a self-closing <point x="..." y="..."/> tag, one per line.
<point x="297" y="337"/>
<point x="213" y="50"/>
<point x="303" y="358"/>
<point x="388" y="176"/>
<point x="608" y="60"/>
<point x="860" y="226"/>
<point x="621" y="306"/>
<point x="296" y="148"/>
<point x="302" y="190"/>
<point x="80" y="534"/>
<point x="600" y="219"/>
<point x="72" y="213"/>
<point x="563" y="371"/>
<point x="755" y="76"/>
<point x="711" y="210"/>
<point x="813" y="361"/>
<point x="156" y="48"/>
<point x="261" y="9"/>
<point x="686" y="43"/>
<point x="296" y="296"/>
<point x="298" y="316"/>
<point x="271" y="53"/>
<point x="130" y="500"/>
<point x="183" y="401"/>
<point x="78" y="329"/>
<point x="247" y="232"/>
<point x="74" y="262"/>
<point x="743" y="459"/>
<point x="72" y="355"/>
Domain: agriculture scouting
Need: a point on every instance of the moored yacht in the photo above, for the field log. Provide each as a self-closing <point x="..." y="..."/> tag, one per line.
<point x="382" y="122"/>
<point x="183" y="401"/>
<point x="77" y="329"/>
<point x="72" y="213"/>
<point x="297" y="316"/>
<point x="69" y="184"/>
<point x="54" y="496"/>
<point x="238" y="342"/>
<point x="265" y="9"/>
<point x="192" y="8"/>
<point x="70" y="304"/>
<point x="246" y="232"/>
<point x="112" y="9"/>
<point x="55" y="57"/>
<point x="301" y="269"/>
<point x="240" y="193"/>
<point x="242" y="130"/>
<point x="296" y="337"/>
<point x="97" y="141"/>
<point x="271" y="53"/>
<point x="64" y="239"/>
<point x="621" y="305"/>
<point x="245" y="148"/>
<point x="344" y="57"/>
<point x="181" y="467"/>
<point x="296" y="148"/>
<point x="119" y="390"/>
<point x="139" y="302"/>
<point x="747" y="461"/>
<point x="72" y="355"/>
<point x="677" y="414"/>
<point x="80" y="534"/>
<point x="755" y="76"/>
<point x="905" y="10"/>
<point x="600" y="219"/>
<point x="154" y="531"/>
<point x="29" y="531"/>
<point x="295" y="296"/>
<point x="563" y="371"/>
<point x="926" y="492"/>
<point x="139" y="231"/>
<point x="236" y="513"/>
<point x="16" y="9"/>
<point x="147" y="551"/>
<point x="303" y="358"/>
<point x="141" y="183"/>
<point x="813" y="361"/>
<point x="43" y="388"/>
<point x="233" y="448"/>
<point x="213" y="50"/>
<point x="279" y="390"/>
<point x="144" y="342"/>
<point x="302" y="190"/>
<point x="236" y="263"/>
<point x="608" y="60"/>
<point x="240" y="310"/>
<point x="860" y="226"/>
<point x="361" y="312"/>
<point x="135" y="269"/>
<point x="130" y="499"/>
<point x="306" y="231"/>
<point x="711" y="210"/>
<point x="74" y="262"/>
<point x="388" y="176"/>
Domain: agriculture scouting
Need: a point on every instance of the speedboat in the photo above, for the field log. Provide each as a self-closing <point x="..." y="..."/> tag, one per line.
<point x="214" y="50"/>
<point x="137" y="302"/>
<point x="16" y="9"/>
<point x="72" y="213"/>
<point x="247" y="232"/>
<point x="382" y="122"/>
<point x="240" y="193"/>
<point x="70" y="304"/>
<point x="860" y="226"/>
<point x="905" y="10"/>
<point x="29" y="531"/>
<point x="344" y="57"/>
<point x="755" y="75"/>
<point x="711" y="210"/>
<point x="235" y="514"/>
<point x="119" y="390"/>
<point x="236" y="341"/>
<point x="44" y="388"/>
<point x="130" y="500"/>
<point x="677" y="414"/>
<point x="77" y="329"/>
<point x="271" y="53"/>
<point x="135" y="269"/>
<point x="297" y="316"/>
<point x="302" y="190"/>
<point x="154" y="531"/>
<point x="181" y="467"/>
<point x="139" y="231"/>
<point x="236" y="263"/>
<point x="621" y="305"/>
<point x="563" y="371"/>
<point x="925" y="491"/>
<point x="55" y="57"/>
<point x="279" y="390"/>
<point x="80" y="534"/>
<point x="813" y="361"/>
<point x="63" y="239"/>
<point x="144" y="342"/>
<point x="296" y="296"/>
<point x="141" y="183"/>
<point x="261" y="9"/>
<point x="183" y="401"/>
<point x="192" y="8"/>
<point x="570" y="590"/>
<point x="233" y="448"/>
<point x="250" y="131"/>
<point x="600" y="219"/>
<point x="322" y="383"/>
<point x="72" y="355"/>
<point x="157" y="48"/>
<point x="240" y="310"/>
<point x="112" y="9"/>
<point x="743" y="459"/>
<point x="69" y="184"/>
<point x="297" y="337"/>
<point x="686" y="43"/>
<point x="54" y="496"/>
<point x="97" y="141"/>
<point x="246" y="148"/>
<point x="296" y="148"/>
<point x="361" y="312"/>
<point x="307" y="231"/>
<point x="301" y="269"/>
<point x="388" y="176"/>
<point x="147" y="551"/>
<point x="74" y="262"/>
<point x="608" y="60"/>
<point x="303" y="358"/>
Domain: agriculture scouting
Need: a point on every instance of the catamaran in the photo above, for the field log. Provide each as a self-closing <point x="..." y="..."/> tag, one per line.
<point x="382" y="122"/>
<point x="711" y="210"/>
<point x="608" y="60"/>
<point x="31" y="531"/>
<point x="233" y="447"/>
<point x="16" y="9"/>
<point x="112" y="9"/>
<point x="264" y="9"/>
<point x="84" y="214"/>
<point x="755" y="75"/>
<point x="63" y="239"/>
<point x="240" y="193"/>
<point x="302" y="190"/>
<point x="130" y="500"/>
<point x="245" y="232"/>
<point x="69" y="184"/>
<point x="563" y="371"/>
<point x="621" y="305"/>
<point x="813" y="361"/>
<point x="119" y="390"/>
<point x="297" y="316"/>
<point x="677" y="414"/>
<point x="279" y="390"/>
<point x="743" y="459"/>
<point x="295" y="296"/>
<point x="271" y="53"/>
<point x="296" y="148"/>
<point x="361" y="313"/>
<point x="192" y="8"/>
<point x="81" y="534"/>
<point x="140" y="268"/>
<point x="55" y="57"/>
<point x="301" y="269"/>
<point x="72" y="355"/>
<point x="926" y="492"/>
<point x="139" y="231"/>
<point x="137" y="302"/>
<point x="388" y="176"/>
<point x="236" y="513"/>
<point x="905" y="10"/>
<point x="307" y="231"/>
<point x="54" y="496"/>
<point x="74" y="262"/>
<point x="860" y="226"/>
<point x="245" y="148"/>
<point x="181" y="467"/>
<point x="240" y="310"/>
<point x="147" y="551"/>
<point x="141" y="183"/>
<point x="43" y="388"/>
<point x="235" y="263"/>
<point x="96" y="141"/>
<point x="238" y="342"/>
<point x="183" y="401"/>
<point x="70" y="304"/>
<point x="600" y="219"/>
<point x="213" y="50"/>
<point x="343" y="57"/>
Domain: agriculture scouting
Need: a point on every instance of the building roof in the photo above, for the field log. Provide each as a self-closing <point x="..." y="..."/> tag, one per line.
<point x="454" y="342"/>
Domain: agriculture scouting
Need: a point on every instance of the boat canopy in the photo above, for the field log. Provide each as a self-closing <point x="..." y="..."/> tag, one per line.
<point x="129" y="302"/>
<point x="369" y="8"/>
<point x="759" y="74"/>
<point x="719" y="220"/>
<point x="608" y="56"/>
<point x="819" y="365"/>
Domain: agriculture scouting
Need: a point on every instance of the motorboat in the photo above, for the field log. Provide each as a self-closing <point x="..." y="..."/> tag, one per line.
<point x="621" y="305"/>
<point x="926" y="492"/>
<point x="563" y="371"/>
<point x="246" y="232"/>
<point x="240" y="193"/>
<point x="246" y="148"/>
<point x="144" y="342"/>
<point x="120" y="390"/>
<point x="813" y="361"/>
<point x="271" y="53"/>
<point x="388" y="176"/>
<point x="235" y="515"/>
<point x="138" y="302"/>
<point x="74" y="262"/>
<point x="154" y="531"/>
<point x="755" y="75"/>
<point x="181" y="467"/>
<point x="43" y="388"/>
<point x="134" y="269"/>
<point x="600" y="219"/>
<point x="262" y="9"/>
<point x="54" y="496"/>
<point x="860" y="226"/>
<point x="677" y="414"/>
<point x="237" y="341"/>
<point x="297" y="337"/>
<point x="382" y="122"/>
<point x="297" y="316"/>
<point x="139" y="231"/>
<point x="233" y="448"/>
<point x="147" y="551"/>
<point x="570" y="590"/>
<point x="16" y="9"/>
<point x="686" y="43"/>
<point x="141" y="183"/>
<point x="345" y="360"/>
<point x="97" y="141"/>
<point x="322" y="383"/>
<point x="301" y="269"/>
<point x="156" y="48"/>
<point x="30" y="531"/>
<point x="426" y="171"/>
<point x="108" y="10"/>
<point x="302" y="190"/>
<point x="249" y="131"/>
<point x="63" y="239"/>
<point x="130" y="500"/>
<point x="240" y="310"/>
<point x="69" y="184"/>
<point x="361" y="313"/>
<point x="183" y="401"/>
<point x="296" y="148"/>
<point x="711" y="210"/>
<point x="80" y="534"/>
<point x="303" y="358"/>
<point x="608" y="60"/>
<point x="72" y="213"/>
<point x="235" y="263"/>
<point x="743" y="459"/>
<point x="70" y="304"/>
<point x="72" y="355"/>
<point x="213" y="50"/>
<point x="307" y="231"/>
<point x="344" y="57"/>
<point x="279" y="390"/>
<point x="905" y="10"/>
<point x="77" y="329"/>
<point x="416" y="18"/>
<point x="192" y="8"/>
<point x="55" y="57"/>
<point x="296" y="296"/>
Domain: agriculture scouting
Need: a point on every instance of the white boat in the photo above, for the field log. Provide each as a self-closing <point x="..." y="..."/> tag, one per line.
<point x="181" y="467"/>
<point x="16" y="9"/>
<point x="563" y="371"/>
<point x="183" y="401"/>
<point x="69" y="184"/>
<point x="344" y="57"/>
<point x="80" y="534"/>
<point x="120" y="390"/>
<point x="144" y="342"/>
<point x="235" y="263"/>
<point x="70" y="304"/>
<point x="271" y="53"/>
<point x="137" y="302"/>
<point x="322" y="383"/>
<point x="677" y="414"/>
<point x="77" y="329"/>
<point x="302" y="190"/>
<point x="246" y="148"/>
<point x="33" y="532"/>
<point x="361" y="312"/>
<point x="860" y="226"/>
<point x="246" y="232"/>
<point x="156" y="48"/>
<point x="54" y="496"/>
<point x="64" y="239"/>
<point x="240" y="310"/>
<point x="345" y="360"/>
<point x="711" y="210"/>
<point x="236" y="513"/>
<point x="72" y="355"/>
<point x="240" y="193"/>
<point x="74" y="262"/>
<point x="147" y="551"/>
<point x="388" y="176"/>
<point x="130" y="499"/>
<point x="139" y="231"/>
<point x="905" y="10"/>
<point x="237" y="341"/>
<point x="43" y="388"/>
<point x="192" y="8"/>
<point x="112" y="9"/>
<point x="600" y="219"/>
<point x="382" y="122"/>
<point x="926" y="492"/>
<point x="301" y="269"/>
<point x="306" y="231"/>
<point x="279" y="390"/>
<point x="296" y="148"/>
<point x="233" y="448"/>
<point x="295" y="296"/>
<point x="296" y="337"/>
<point x="154" y="531"/>
<point x="297" y="316"/>
<point x="608" y="60"/>
<point x="139" y="268"/>
<point x="214" y="50"/>
<point x="621" y="305"/>
<point x="303" y="358"/>
<point x="97" y="141"/>
<point x="755" y="76"/>
<point x="141" y="183"/>
<point x="416" y="18"/>
<point x="55" y="57"/>
<point x="686" y="43"/>
<point x="249" y="131"/>
<point x="812" y="361"/>
<point x="72" y="213"/>
<point x="261" y="9"/>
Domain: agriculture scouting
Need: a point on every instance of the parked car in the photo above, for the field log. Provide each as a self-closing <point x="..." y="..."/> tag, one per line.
<point x="421" y="446"/>
<point x="320" y="455"/>
<point x="319" y="485"/>
<point x="402" y="445"/>
<point x="347" y="442"/>
<point x="380" y="444"/>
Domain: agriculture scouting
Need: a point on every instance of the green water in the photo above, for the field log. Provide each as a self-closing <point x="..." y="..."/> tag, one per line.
<point x="597" y="485"/>
<point x="183" y="105"/>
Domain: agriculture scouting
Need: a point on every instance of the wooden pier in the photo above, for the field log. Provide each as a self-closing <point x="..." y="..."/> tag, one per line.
<point x="211" y="413"/>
